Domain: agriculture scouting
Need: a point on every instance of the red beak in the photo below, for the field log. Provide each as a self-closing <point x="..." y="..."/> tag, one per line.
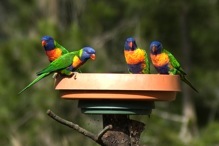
<point x="154" y="48"/>
<point x="43" y="43"/>
<point x="130" y="44"/>
<point x="93" y="56"/>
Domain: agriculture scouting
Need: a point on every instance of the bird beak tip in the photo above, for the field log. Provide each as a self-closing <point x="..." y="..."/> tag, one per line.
<point x="153" y="49"/>
<point x="93" y="56"/>
<point x="43" y="43"/>
<point x="130" y="44"/>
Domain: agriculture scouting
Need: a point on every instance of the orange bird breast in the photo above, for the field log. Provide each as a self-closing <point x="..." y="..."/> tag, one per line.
<point x="160" y="59"/>
<point x="134" y="57"/>
<point x="76" y="62"/>
<point x="54" y="54"/>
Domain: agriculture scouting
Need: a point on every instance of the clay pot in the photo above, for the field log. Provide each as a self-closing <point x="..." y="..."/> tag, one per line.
<point x="152" y="87"/>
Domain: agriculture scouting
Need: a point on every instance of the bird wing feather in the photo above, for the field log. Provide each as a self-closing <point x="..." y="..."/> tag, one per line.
<point x="174" y="62"/>
<point x="62" y="62"/>
<point x="64" y="51"/>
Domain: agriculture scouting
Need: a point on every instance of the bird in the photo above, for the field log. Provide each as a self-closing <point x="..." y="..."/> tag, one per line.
<point x="165" y="63"/>
<point x="136" y="58"/>
<point x="66" y="64"/>
<point x="52" y="48"/>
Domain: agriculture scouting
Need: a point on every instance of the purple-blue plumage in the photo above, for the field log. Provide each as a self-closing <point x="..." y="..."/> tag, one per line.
<point x="163" y="69"/>
<point x="48" y="43"/>
<point x="135" y="68"/>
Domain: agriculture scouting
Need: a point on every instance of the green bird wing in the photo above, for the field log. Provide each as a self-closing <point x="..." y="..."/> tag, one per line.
<point x="146" y="59"/>
<point x="60" y="63"/>
<point x="174" y="62"/>
<point x="34" y="81"/>
<point x="179" y="69"/>
<point x="57" y="45"/>
<point x="64" y="51"/>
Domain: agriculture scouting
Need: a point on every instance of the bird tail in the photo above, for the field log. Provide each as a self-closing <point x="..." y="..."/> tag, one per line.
<point x="183" y="78"/>
<point x="34" y="81"/>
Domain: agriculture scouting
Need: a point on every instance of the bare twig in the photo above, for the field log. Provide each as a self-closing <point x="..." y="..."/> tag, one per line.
<point x="96" y="138"/>
<point x="72" y="125"/>
<point x="101" y="133"/>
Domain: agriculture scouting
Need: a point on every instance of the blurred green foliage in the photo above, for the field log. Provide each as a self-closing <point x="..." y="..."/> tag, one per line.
<point x="104" y="25"/>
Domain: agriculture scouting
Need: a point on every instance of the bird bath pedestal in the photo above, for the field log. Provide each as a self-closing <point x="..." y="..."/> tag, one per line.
<point x="116" y="96"/>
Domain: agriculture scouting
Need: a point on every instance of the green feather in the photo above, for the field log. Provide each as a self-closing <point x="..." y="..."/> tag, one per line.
<point x="57" y="45"/>
<point x="183" y="78"/>
<point x="64" y="51"/>
<point x="57" y="65"/>
<point x="147" y="69"/>
<point x="177" y="69"/>
<point x="60" y="63"/>
<point x="35" y="81"/>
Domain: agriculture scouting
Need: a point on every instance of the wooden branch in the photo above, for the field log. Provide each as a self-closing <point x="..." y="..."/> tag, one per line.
<point x="101" y="133"/>
<point x="96" y="138"/>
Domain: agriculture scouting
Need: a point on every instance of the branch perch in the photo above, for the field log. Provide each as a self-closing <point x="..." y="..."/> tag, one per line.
<point x="96" y="138"/>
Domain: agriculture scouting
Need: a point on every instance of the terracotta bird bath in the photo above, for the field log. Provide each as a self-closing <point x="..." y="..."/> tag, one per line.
<point x="115" y="97"/>
<point x="102" y="93"/>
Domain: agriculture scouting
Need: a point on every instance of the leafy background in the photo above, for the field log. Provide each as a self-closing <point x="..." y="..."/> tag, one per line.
<point x="189" y="29"/>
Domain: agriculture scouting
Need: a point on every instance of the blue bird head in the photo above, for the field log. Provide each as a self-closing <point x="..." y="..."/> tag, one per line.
<point x="156" y="47"/>
<point x="130" y="44"/>
<point x="88" y="53"/>
<point x="48" y="43"/>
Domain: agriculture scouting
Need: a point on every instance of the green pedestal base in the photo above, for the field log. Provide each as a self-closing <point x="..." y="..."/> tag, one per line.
<point x="130" y="107"/>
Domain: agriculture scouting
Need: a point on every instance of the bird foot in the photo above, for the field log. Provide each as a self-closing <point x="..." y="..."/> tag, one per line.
<point x="74" y="75"/>
<point x="54" y="76"/>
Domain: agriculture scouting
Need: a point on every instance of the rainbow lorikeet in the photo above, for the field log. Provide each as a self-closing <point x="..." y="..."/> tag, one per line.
<point x="136" y="58"/>
<point x="52" y="48"/>
<point x="66" y="64"/>
<point x="165" y="63"/>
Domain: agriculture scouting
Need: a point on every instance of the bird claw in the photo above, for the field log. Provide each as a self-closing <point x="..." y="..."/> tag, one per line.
<point x="75" y="75"/>
<point x="54" y="75"/>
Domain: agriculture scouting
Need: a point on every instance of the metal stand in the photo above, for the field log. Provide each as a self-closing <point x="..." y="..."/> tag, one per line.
<point x="125" y="131"/>
<point x="129" y="107"/>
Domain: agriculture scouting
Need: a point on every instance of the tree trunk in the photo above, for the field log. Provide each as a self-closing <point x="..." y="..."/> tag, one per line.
<point x="125" y="132"/>
<point x="189" y="129"/>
